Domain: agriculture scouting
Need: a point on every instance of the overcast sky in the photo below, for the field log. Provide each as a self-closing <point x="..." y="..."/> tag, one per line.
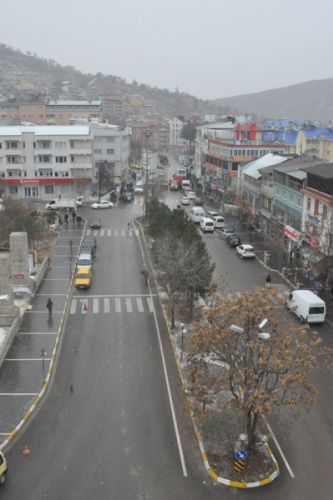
<point x="208" y="48"/>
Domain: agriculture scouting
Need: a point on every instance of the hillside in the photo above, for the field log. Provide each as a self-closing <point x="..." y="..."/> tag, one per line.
<point x="306" y="101"/>
<point x="21" y="72"/>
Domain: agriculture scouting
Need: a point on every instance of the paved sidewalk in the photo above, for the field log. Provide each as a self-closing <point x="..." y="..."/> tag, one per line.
<point x="28" y="361"/>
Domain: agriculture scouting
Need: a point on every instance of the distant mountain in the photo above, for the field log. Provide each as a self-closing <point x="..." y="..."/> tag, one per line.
<point x="22" y="73"/>
<point x="311" y="100"/>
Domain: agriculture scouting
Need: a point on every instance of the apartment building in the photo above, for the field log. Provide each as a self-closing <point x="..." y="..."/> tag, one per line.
<point x="46" y="162"/>
<point x="176" y="124"/>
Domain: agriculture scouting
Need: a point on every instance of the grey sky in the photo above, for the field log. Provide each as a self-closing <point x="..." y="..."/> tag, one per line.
<point x="209" y="48"/>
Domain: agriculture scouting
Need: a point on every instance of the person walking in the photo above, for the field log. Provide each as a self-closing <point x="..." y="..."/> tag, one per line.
<point x="73" y="215"/>
<point x="66" y="219"/>
<point x="268" y="280"/>
<point x="49" y="306"/>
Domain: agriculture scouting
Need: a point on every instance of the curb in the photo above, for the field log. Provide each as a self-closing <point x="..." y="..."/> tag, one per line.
<point x="211" y="472"/>
<point x="38" y="399"/>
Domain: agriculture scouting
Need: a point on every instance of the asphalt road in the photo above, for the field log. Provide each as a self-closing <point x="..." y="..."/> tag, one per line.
<point x="115" y="436"/>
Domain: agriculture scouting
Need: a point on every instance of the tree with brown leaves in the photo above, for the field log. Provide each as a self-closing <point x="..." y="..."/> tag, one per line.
<point x="261" y="371"/>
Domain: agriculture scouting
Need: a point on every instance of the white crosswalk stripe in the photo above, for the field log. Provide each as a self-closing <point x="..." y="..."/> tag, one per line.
<point x="111" y="305"/>
<point x="113" y="232"/>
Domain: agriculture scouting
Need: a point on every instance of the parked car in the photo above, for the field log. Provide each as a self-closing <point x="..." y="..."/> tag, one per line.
<point x="83" y="277"/>
<point x="219" y="221"/>
<point x="84" y="260"/>
<point x="307" y="306"/>
<point x="91" y="239"/>
<point x="79" y="201"/>
<point x="95" y="223"/>
<point x="225" y="231"/>
<point x="184" y="200"/>
<point x="233" y="240"/>
<point x="191" y="195"/>
<point x="88" y="247"/>
<point x="139" y="189"/>
<point x="102" y="204"/>
<point x="211" y="214"/>
<point x="246" y="251"/>
<point x="207" y="225"/>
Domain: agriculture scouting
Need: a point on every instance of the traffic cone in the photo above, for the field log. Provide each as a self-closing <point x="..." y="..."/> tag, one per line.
<point x="26" y="450"/>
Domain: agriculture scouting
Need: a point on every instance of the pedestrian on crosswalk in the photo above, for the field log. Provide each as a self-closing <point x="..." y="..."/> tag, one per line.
<point x="49" y="306"/>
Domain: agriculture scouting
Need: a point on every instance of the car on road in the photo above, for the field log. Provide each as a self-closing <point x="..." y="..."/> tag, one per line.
<point x="139" y="189"/>
<point x="211" y="214"/>
<point x="84" y="260"/>
<point x="191" y="195"/>
<point x="95" y="223"/>
<point x="246" y="251"/>
<point x="184" y="200"/>
<point x="90" y="239"/>
<point x="226" y="231"/>
<point x="197" y="202"/>
<point x="83" y="277"/>
<point x="218" y="221"/>
<point x="207" y="225"/>
<point x="102" y="204"/>
<point x="233" y="240"/>
<point x="79" y="201"/>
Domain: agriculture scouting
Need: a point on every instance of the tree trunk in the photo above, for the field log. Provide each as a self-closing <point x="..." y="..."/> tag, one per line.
<point x="251" y="424"/>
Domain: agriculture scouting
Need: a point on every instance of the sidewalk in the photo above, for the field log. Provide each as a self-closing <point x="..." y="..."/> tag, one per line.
<point x="28" y="366"/>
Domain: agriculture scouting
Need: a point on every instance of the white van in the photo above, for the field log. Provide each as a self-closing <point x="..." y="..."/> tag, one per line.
<point x="196" y="214"/>
<point x="186" y="185"/>
<point x="207" y="225"/>
<point x="219" y="221"/>
<point x="307" y="306"/>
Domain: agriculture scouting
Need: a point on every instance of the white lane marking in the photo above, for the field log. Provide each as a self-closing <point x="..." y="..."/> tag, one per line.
<point x="106" y="305"/>
<point x="53" y="294"/>
<point x="139" y="304"/>
<point x="114" y="295"/>
<point x="55" y="279"/>
<point x="19" y="393"/>
<point x="279" y="448"/>
<point x="150" y="304"/>
<point x="27" y="359"/>
<point x="102" y="232"/>
<point x="4" y="433"/>
<point x="73" y="306"/>
<point x="173" y="413"/>
<point x="117" y="304"/>
<point x="95" y="306"/>
<point x="123" y="232"/>
<point x="129" y="305"/>
<point x="37" y="333"/>
<point x="109" y="232"/>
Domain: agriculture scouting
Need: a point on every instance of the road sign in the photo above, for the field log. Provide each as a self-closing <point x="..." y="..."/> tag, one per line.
<point x="241" y="455"/>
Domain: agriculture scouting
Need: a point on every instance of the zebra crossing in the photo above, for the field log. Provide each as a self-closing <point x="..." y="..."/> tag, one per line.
<point x="113" y="232"/>
<point x="111" y="305"/>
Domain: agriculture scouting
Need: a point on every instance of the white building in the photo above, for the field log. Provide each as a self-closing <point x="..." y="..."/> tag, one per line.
<point x="46" y="162"/>
<point x="176" y="124"/>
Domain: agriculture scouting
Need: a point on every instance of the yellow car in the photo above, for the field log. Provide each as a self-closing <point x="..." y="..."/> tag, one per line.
<point x="83" y="277"/>
<point x="184" y="200"/>
<point x="3" y="468"/>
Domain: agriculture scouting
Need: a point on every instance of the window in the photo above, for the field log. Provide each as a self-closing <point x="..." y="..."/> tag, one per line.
<point x="60" y="145"/>
<point x="316" y="207"/>
<point x="44" y="159"/>
<point x="11" y="144"/>
<point x="49" y="189"/>
<point x="13" y="189"/>
<point x="308" y="204"/>
<point x="110" y="151"/>
<point x="324" y="211"/>
<point x="98" y="151"/>
<point x="61" y="159"/>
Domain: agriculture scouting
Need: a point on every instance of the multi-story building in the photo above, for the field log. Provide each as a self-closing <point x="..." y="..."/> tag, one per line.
<point x="221" y="148"/>
<point x="112" y="108"/>
<point x="45" y="162"/>
<point x="317" y="222"/>
<point x="69" y="112"/>
<point x="51" y="112"/>
<point x="176" y="124"/>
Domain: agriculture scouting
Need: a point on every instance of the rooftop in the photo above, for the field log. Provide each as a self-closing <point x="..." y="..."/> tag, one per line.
<point x="45" y="130"/>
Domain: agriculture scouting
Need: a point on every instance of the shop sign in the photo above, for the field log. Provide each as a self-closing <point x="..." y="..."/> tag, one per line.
<point x="291" y="233"/>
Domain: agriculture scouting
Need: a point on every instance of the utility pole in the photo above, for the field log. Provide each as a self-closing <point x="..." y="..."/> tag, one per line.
<point x="146" y="136"/>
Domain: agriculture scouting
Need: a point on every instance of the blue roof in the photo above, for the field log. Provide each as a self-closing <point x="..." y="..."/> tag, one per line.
<point x="282" y="123"/>
<point x="315" y="132"/>
<point x="282" y="136"/>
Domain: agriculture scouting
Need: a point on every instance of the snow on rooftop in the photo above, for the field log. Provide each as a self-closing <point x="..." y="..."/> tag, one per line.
<point x="252" y="168"/>
<point x="45" y="130"/>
